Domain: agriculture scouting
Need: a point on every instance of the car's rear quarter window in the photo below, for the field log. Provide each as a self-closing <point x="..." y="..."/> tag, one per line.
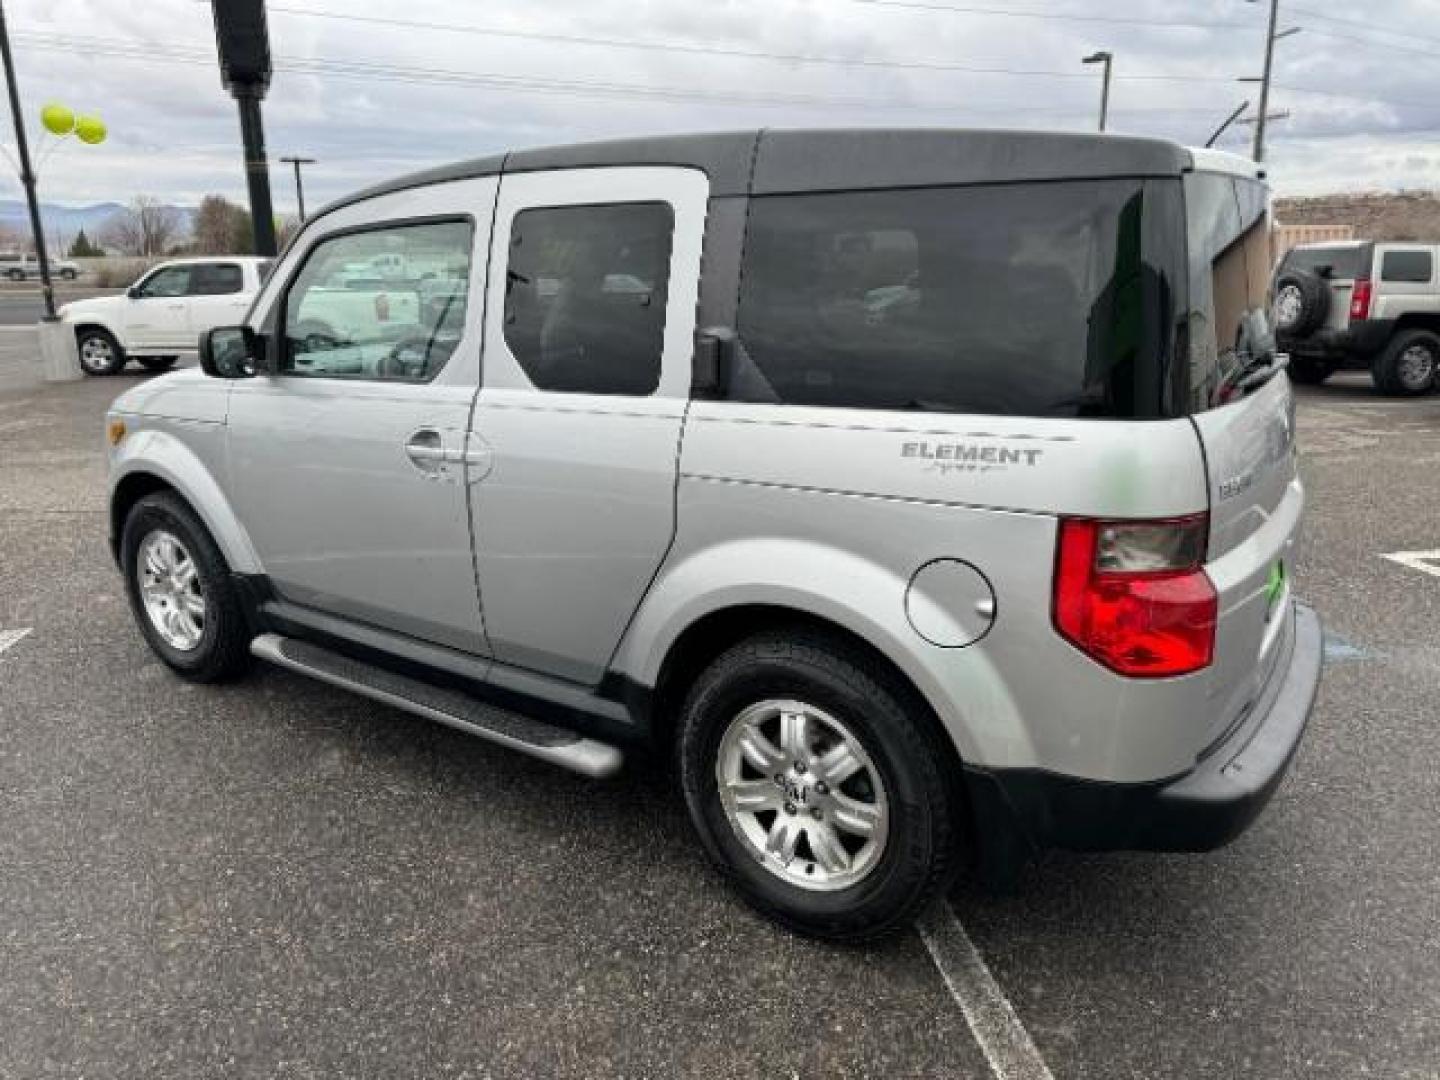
<point x="1043" y="299"/>
<point x="1406" y="266"/>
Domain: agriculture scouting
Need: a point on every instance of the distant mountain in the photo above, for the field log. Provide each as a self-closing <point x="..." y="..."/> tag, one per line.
<point x="63" y="222"/>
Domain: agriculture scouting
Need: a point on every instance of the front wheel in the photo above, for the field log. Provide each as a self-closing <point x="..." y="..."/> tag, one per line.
<point x="1409" y="364"/>
<point x="817" y="787"/>
<point x="181" y="592"/>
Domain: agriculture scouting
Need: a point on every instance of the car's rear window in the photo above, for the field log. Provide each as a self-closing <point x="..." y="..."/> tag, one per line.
<point x="1050" y="299"/>
<point x="1343" y="262"/>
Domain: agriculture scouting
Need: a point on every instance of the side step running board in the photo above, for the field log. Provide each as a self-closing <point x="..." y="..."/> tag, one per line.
<point x="534" y="737"/>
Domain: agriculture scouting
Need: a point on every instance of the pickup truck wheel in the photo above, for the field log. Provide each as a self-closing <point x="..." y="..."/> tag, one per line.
<point x="157" y="363"/>
<point x="815" y="788"/>
<point x="69" y="275"/>
<point x="16" y="275"/>
<point x="181" y="592"/>
<point x="1309" y="372"/>
<point x="100" y="353"/>
<point x="1410" y="363"/>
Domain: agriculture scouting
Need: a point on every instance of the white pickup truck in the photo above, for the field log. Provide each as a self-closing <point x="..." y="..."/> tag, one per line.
<point x="161" y="317"/>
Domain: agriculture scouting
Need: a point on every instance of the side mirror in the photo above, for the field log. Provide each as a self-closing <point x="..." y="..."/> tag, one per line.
<point x="232" y="352"/>
<point x="714" y="347"/>
<point x="133" y="292"/>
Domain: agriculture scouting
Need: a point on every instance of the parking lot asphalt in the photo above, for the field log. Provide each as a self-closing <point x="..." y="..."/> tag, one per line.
<point x="276" y="879"/>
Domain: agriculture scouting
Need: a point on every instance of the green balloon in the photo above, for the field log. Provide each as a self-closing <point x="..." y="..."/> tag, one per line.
<point x="57" y="119"/>
<point x="90" y="129"/>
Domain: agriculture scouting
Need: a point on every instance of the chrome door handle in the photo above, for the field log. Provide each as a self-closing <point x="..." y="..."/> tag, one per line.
<point x="426" y="449"/>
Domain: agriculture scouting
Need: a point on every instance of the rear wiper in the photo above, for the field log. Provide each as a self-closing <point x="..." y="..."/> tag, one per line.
<point x="1251" y="375"/>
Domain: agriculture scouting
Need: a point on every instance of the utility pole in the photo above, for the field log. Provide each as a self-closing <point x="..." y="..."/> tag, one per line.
<point x="27" y="174"/>
<point x="244" y="47"/>
<point x="1263" y="116"/>
<point x="1107" y="59"/>
<point x="299" y="185"/>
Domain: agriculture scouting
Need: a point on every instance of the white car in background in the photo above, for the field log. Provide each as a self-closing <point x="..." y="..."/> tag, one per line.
<point x="20" y="267"/>
<point x="161" y="317"/>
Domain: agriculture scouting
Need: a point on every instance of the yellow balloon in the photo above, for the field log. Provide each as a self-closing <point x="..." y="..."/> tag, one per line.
<point x="57" y="119"/>
<point x="90" y="129"/>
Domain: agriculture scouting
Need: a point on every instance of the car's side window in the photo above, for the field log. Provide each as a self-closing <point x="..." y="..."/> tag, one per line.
<point x="585" y="294"/>
<point x="171" y="281"/>
<point x="1406" y="266"/>
<point x="386" y="303"/>
<point x="216" y="279"/>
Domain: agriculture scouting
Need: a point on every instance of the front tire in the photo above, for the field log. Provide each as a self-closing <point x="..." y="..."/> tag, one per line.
<point x="181" y="592"/>
<point x="1409" y="365"/>
<point x="100" y="353"/>
<point x="818" y="787"/>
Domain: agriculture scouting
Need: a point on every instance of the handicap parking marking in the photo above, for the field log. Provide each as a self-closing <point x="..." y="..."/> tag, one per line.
<point x="1337" y="648"/>
<point x="12" y="637"/>
<point x="1427" y="562"/>
<point x="1006" y="1044"/>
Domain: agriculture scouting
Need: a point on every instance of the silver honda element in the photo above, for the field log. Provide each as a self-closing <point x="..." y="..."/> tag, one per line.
<point x="927" y="497"/>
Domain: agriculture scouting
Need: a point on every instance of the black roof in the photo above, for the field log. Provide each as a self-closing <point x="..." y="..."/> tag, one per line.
<point x="767" y="161"/>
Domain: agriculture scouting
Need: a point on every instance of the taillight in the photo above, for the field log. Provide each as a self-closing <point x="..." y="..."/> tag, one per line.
<point x="1360" y="300"/>
<point x="1134" y="595"/>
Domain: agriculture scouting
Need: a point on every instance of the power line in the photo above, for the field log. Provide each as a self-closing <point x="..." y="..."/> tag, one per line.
<point x="439" y="76"/>
<point x="1361" y="25"/>
<point x="716" y="50"/>
<point x="1057" y="16"/>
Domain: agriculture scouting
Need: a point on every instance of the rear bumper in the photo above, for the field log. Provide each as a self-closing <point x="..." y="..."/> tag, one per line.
<point x="1018" y="811"/>
<point x="1353" y="346"/>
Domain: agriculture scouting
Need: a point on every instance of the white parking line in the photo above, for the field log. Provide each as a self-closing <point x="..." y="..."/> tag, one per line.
<point x="1002" y="1037"/>
<point x="1427" y="562"/>
<point x="11" y="637"/>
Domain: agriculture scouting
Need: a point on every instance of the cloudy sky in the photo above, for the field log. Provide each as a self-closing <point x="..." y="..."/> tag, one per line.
<point x="374" y="88"/>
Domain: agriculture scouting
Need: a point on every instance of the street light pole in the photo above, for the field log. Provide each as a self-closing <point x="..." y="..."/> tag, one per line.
<point x="1105" y="58"/>
<point x="1228" y="121"/>
<point x="27" y="174"/>
<point x="299" y="185"/>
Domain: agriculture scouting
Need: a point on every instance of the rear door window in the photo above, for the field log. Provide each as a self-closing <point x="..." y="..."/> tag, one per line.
<point x="1406" y="266"/>
<point x="585" y="294"/>
<point x="1018" y="299"/>
<point x="216" y="279"/>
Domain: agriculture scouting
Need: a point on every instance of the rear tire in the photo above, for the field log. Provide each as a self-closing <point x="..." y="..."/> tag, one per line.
<point x="1409" y="365"/>
<point x="100" y="353"/>
<point x="157" y="363"/>
<point x="219" y="645"/>
<point x="875" y="846"/>
<point x="1310" y="372"/>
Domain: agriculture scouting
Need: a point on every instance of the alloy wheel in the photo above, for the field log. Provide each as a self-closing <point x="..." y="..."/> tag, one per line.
<point x="802" y="795"/>
<point x="170" y="590"/>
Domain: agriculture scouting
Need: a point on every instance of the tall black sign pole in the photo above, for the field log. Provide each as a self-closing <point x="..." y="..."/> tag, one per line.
<point x="27" y="174"/>
<point x="244" y="46"/>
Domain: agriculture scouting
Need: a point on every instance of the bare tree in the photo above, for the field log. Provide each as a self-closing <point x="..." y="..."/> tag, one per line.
<point x="217" y="221"/>
<point x="146" y="227"/>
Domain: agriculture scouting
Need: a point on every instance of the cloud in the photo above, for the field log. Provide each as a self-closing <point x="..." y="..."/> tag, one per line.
<point x="1359" y="98"/>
